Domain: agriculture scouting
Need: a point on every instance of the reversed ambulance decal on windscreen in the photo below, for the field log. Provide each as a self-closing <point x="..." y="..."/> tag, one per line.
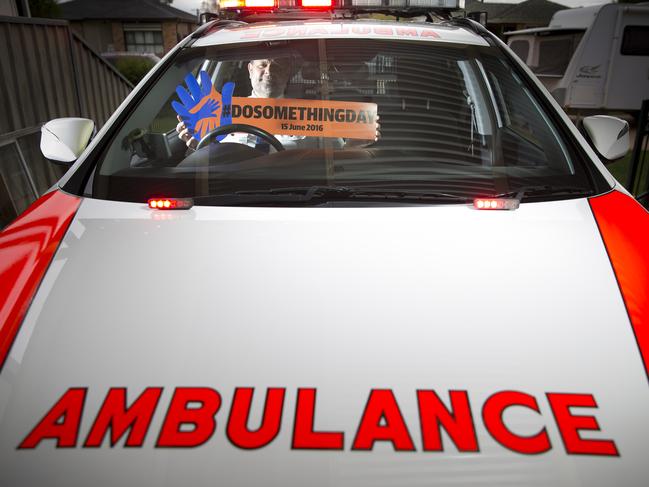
<point x="203" y="109"/>
<point x="193" y="415"/>
<point x="341" y="30"/>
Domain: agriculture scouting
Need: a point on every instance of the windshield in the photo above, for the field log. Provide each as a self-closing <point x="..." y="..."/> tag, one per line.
<point x="411" y="116"/>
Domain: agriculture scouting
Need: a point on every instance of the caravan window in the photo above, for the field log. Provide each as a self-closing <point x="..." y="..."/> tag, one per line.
<point x="521" y="48"/>
<point x="636" y="40"/>
<point x="555" y="52"/>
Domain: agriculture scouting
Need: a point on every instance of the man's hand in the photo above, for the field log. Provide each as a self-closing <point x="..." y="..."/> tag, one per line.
<point x="351" y="143"/>
<point x="185" y="135"/>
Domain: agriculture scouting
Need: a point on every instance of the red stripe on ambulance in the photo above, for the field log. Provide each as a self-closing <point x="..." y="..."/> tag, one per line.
<point x="190" y="421"/>
<point x="26" y="249"/>
<point x="624" y="226"/>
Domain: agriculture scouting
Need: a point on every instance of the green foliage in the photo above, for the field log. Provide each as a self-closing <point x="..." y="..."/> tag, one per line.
<point x="47" y="9"/>
<point x="133" y="68"/>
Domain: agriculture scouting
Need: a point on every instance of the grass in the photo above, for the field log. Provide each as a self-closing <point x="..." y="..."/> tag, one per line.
<point x="620" y="170"/>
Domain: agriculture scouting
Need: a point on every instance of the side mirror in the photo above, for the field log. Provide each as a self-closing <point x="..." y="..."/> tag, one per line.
<point x="64" y="139"/>
<point x="608" y="135"/>
<point x="479" y="17"/>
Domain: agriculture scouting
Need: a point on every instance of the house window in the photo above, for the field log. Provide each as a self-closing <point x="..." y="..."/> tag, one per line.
<point x="144" y="38"/>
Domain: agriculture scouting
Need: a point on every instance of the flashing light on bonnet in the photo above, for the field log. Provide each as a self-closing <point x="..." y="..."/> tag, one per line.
<point x="496" y="203"/>
<point x="170" y="203"/>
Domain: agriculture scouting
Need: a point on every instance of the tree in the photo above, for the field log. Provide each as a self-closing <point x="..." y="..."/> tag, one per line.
<point x="209" y="6"/>
<point x="48" y="9"/>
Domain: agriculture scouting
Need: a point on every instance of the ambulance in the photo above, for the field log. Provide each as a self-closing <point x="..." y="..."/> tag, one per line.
<point x="330" y="243"/>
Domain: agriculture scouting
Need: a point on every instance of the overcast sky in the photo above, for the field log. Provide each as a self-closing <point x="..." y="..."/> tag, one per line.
<point x="192" y="5"/>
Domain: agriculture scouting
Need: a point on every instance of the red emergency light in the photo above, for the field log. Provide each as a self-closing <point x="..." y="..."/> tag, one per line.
<point x="248" y="4"/>
<point x="315" y="3"/>
<point x="495" y="203"/>
<point x="170" y="203"/>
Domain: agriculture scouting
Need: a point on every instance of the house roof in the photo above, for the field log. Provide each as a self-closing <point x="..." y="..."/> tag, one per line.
<point x="129" y="10"/>
<point x="492" y="9"/>
<point x="530" y="12"/>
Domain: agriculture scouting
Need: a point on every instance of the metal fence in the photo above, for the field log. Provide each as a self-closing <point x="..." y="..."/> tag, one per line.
<point x="46" y="72"/>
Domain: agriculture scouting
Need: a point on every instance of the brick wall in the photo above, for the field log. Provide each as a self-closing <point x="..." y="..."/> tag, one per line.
<point x="118" y="37"/>
<point x="169" y="36"/>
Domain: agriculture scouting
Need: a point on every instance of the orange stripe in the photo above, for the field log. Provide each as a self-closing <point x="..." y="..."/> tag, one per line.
<point x="26" y="249"/>
<point x="624" y="225"/>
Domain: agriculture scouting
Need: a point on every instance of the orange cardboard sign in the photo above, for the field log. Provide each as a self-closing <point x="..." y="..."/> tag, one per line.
<point x="317" y="118"/>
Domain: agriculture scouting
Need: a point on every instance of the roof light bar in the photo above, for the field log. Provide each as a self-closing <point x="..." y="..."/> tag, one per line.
<point x="340" y="4"/>
<point x="496" y="203"/>
<point x="315" y="3"/>
<point x="247" y="4"/>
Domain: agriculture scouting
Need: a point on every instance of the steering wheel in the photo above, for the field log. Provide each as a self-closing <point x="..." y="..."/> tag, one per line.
<point x="241" y="127"/>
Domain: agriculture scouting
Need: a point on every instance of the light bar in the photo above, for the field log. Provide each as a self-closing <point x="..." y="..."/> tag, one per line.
<point x="297" y="5"/>
<point x="170" y="203"/>
<point x="247" y="4"/>
<point x="315" y="3"/>
<point x="450" y="4"/>
<point x="496" y="203"/>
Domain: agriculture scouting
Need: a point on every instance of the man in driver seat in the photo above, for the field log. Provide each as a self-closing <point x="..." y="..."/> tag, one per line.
<point x="268" y="78"/>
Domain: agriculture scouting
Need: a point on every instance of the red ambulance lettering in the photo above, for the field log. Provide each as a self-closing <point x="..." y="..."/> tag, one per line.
<point x="407" y="31"/>
<point x="200" y="418"/>
<point x="237" y="430"/>
<point x="190" y="421"/>
<point x="304" y="436"/>
<point x="569" y="425"/>
<point x="114" y="415"/>
<point x="492" y="415"/>
<point x="382" y="421"/>
<point x="61" y="422"/>
<point x="383" y="31"/>
<point x="275" y="32"/>
<point x="433" y="415"/>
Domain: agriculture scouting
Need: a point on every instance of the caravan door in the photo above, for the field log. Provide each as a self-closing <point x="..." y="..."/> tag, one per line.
<point x="628" y="75"/>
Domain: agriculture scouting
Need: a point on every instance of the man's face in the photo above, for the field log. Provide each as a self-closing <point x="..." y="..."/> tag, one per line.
<point x="269" y="76"/>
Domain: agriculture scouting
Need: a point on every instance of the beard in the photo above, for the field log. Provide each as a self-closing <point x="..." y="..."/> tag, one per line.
<point x="268" y="87"/>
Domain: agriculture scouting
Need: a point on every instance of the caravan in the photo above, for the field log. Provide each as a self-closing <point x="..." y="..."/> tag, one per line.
<point x="591" y="59"/>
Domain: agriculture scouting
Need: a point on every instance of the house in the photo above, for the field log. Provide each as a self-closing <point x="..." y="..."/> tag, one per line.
<point x="505" y="17"/>
<point x="14" y="7"/>
<point x="150" y="26"/>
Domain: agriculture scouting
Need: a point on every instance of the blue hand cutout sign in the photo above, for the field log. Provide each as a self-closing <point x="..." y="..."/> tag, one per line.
<point x="200" y="108"/>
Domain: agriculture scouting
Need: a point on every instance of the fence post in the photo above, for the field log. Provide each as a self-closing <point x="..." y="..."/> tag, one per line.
<point x="77" y="76"/>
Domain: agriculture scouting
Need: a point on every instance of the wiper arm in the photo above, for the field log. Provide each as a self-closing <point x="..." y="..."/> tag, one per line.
<point x="544" y="190"/>
<point x="318" y="194"/>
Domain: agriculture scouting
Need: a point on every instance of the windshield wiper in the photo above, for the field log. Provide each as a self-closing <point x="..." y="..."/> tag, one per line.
<point x="544" y="190"/>
<point x="322" y="194"/>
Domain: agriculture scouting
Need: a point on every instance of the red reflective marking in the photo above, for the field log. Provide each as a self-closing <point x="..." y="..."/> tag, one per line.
<point x="237" y="430"/>
<point x="492" y="415"/>
<point x="187" y="425"/>
<point x="457" y="421"/>
<point x="624" y="226"/>
<point x="570" y="424"/>
<point x="26" y="249"/>
<point x="382" y="421"/>
<point x="115" y="416"/>
<point x="304" y="435"/>
<point x="61" y="423"/>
